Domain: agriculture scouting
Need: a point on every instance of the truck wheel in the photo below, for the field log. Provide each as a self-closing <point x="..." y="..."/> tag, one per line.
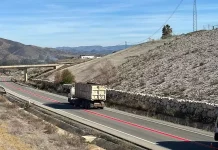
<point x="88" y="105"/>
<point x="216" y="137"/>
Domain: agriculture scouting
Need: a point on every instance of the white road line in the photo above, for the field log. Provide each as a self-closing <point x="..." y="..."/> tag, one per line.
<point x="45" y="92"/>
<point x="158" y="122"/>
<point x="138" y="117"/>
<point x="108" y="127"/>
<point x="79" y="119"/>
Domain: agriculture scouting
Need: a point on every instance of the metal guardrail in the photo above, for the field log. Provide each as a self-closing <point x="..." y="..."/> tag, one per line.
<point x="110" y="131"/>
<point x="2" y="91"/>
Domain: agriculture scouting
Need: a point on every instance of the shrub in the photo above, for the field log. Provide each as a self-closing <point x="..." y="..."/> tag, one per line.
<point x="67" y="77"/>
<point x="11" y="106"/>
<point x="50" y="129"/>
<point x="58" y="78"/>
<point x="2" y="99"/>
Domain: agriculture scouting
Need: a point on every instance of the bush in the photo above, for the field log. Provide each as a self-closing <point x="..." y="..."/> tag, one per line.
<point x="64" y="77"/>
<point x="2" y="99"/>
<point x="50" y="129"/>
<point x="67" y="77"/>
<point x="11" y="106"/>
<point x="57" y="78"/>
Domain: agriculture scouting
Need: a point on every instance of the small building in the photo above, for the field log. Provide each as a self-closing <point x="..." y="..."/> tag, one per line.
<point x="86" y="57"/>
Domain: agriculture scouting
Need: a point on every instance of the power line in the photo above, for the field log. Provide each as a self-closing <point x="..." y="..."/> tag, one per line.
<point x="167" y="19"/>
<point x="164" y="22"/>
<point x="171" y="15"/>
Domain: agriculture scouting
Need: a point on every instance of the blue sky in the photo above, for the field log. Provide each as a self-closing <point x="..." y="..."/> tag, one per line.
<point x="52" y="23"/>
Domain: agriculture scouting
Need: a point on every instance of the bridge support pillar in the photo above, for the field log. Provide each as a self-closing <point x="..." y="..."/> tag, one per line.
<point x="25" y="75"/>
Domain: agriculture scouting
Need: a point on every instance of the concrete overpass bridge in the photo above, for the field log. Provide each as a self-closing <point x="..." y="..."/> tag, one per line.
<point x="25" y="67"/>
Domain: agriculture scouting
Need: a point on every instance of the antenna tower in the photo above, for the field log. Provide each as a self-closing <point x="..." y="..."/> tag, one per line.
<point x="195" y="17"/>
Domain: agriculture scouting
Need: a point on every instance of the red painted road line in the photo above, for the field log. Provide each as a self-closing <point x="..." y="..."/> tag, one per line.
<point x="117" y="120"/>
<point x="150" y="129"/>
<point x="33" y="94"/>
<point x="138" y="126"/>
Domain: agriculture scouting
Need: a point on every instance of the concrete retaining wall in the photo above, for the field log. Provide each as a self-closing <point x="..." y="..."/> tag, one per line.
<point x="195" y="111"/>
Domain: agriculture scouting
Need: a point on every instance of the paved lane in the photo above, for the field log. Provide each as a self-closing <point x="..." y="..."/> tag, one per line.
<point x="152" y="131"/>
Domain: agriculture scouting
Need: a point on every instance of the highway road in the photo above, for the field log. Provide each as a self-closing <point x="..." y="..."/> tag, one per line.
<point x="141" y="130"/>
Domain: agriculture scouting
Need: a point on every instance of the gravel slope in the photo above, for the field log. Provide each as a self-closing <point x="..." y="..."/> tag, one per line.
<point x="187" y="67"/>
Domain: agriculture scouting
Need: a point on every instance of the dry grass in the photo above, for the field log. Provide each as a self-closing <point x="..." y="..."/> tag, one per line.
<point x="67" y="139"/>
<point x="34" y="132"/>
<point x="16" y="127"/>
<point x="4" y="116"/>
<point x="3" y="99"/>
<point x="50" y="129"/>
<point x="107" y="74"/>
<point x="11" y="106"/>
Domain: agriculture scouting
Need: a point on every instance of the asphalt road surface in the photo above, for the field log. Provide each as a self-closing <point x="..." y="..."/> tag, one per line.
<point x="146" y="130"/>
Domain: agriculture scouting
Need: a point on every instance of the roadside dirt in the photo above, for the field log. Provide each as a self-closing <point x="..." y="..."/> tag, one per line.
<point x="8" y="141"/>
<point x="20" y="130"/>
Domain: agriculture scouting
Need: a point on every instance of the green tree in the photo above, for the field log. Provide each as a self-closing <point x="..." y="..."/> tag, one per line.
<point x="67" y="77"/>
<point x="166" y="31"/>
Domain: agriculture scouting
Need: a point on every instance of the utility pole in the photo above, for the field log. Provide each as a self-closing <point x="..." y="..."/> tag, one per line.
<point x="195" y="17"/>
<point x="125" y="45"/>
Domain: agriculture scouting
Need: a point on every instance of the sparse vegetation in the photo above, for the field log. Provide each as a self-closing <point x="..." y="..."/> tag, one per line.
<point x="4" y="116"/>
<point x="64" y="77"/>
<point x="2" y="99"/>
<point x="108" y="73"/>
<point x="11" y="105"/>
<point x="57" y="78"/>
<point x="182" y="68"/>
<point x="26" y="131"/>
<point x="50" y="129"/>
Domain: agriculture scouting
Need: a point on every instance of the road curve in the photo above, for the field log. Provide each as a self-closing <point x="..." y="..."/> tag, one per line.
<point x="144" y="131"/>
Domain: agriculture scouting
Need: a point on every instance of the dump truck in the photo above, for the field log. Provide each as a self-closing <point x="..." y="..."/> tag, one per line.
<point x="87" y="95"/>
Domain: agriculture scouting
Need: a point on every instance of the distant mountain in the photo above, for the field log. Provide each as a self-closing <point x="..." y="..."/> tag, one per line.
<point x="93" y="50"/>
<point x="12" y="52"/>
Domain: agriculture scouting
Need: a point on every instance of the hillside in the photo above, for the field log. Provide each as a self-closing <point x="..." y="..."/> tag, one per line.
<point x="185" y="67"/>
<point x="91" y="69"/>
<point x="11" y="51"/>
